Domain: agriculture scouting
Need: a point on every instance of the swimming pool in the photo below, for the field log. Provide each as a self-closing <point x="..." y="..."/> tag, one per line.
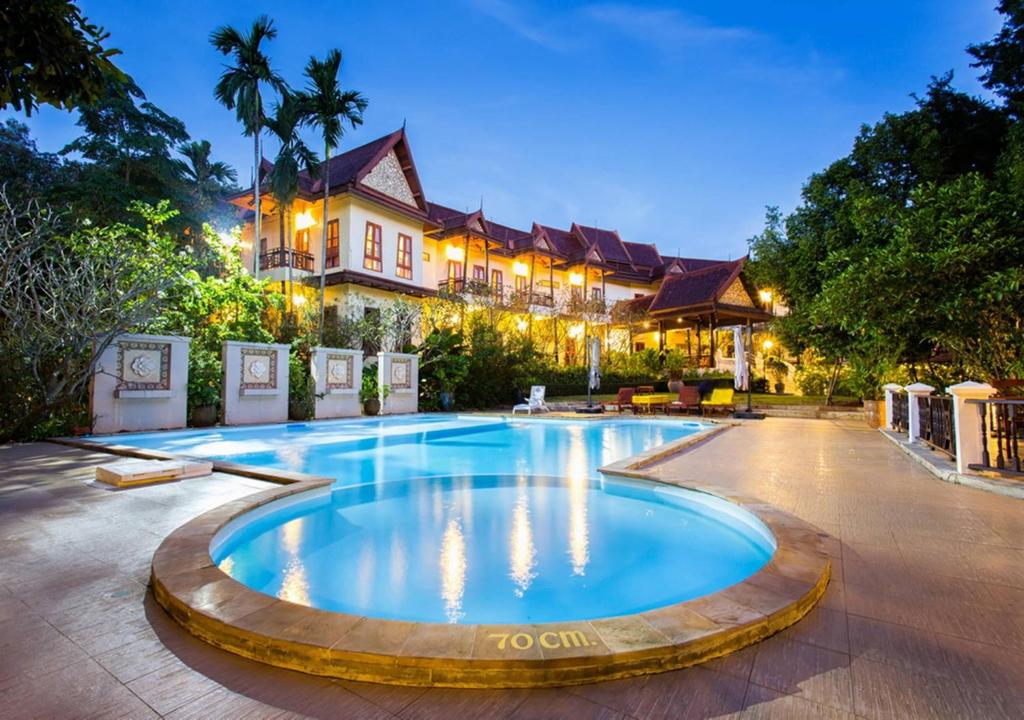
<point x="404" y="447"/>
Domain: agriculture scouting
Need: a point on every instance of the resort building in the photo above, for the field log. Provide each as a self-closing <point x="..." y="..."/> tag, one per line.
<point x="384" y="239"/>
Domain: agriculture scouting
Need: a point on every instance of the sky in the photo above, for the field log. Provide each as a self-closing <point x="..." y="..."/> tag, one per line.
<point x="673" y="123"/>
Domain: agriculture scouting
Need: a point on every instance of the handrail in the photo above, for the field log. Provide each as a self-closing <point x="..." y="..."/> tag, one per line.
<point x="935" y="413"/>
<point x="1002" y="434"/>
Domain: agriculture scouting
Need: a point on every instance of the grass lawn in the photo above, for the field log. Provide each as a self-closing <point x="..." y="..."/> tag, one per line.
<point x="759" y="399"/>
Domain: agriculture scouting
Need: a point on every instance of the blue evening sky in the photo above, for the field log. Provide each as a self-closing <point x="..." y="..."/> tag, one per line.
<point x="674" y="123"/>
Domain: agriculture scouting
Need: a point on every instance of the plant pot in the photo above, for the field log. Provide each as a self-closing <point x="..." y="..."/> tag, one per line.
<point x="297" y="410"/>
<point x="674" y="385"/>
<point x="874" y="412"/>
<point x="780" y="388"/>
<point x="204" y="415"/>
<point x="447" y="400"/>
<point x="372" y="406"/>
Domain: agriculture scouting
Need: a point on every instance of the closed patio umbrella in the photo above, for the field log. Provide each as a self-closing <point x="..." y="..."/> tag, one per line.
<point x="742" y="373"/>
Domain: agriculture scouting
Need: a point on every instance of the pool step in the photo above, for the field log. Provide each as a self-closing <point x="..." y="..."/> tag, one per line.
<point x="129" y="473"/>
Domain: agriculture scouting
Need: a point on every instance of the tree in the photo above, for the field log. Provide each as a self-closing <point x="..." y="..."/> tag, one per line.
<point x="1002" y="58"/>
<point x="239" y="89"/>
<point x="66" y="291"/>
<point x="293" y="156"/>
<point x="207" y="180"/>
<point x="25" y="172"/>
<point x="329" y="108"/>
<point x="128" y="146"/>
<point x="53" y="55"/>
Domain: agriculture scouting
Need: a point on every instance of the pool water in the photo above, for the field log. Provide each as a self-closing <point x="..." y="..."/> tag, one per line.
<point x="469" y="519"/>
<point x="385" y="449"/>
<point x="494" y="549"/>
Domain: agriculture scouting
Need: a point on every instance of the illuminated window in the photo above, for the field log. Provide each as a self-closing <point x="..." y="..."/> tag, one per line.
<point x="372" y="259"/>
<point x="263" y="246"/>
<point x="332" y="244"/>
<point x="403" y="268"/>
<point x="520" y="282"/>
<point x="479" y="274"/>
<point x="454" y="270"/>
<point x="302" y="241"/>
<point x="496" y="279"/>
<point x="596" y="293"/>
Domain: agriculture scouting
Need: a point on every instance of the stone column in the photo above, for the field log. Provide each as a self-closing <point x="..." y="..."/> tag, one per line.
<point x="967" y="422"/>
<point x="255" y="386"/>
<point x="400" y="373"/>
<point x="890" y="393"/>
<point x="337" y="377"/>
<point x="913" y="413"/>
<point x="141" y="383"/>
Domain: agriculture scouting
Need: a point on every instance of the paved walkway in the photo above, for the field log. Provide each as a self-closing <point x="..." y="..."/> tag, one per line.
<point x="924" y="618"/>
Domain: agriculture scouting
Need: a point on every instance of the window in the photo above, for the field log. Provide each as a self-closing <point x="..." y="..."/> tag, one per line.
<point x="479" y="274"/>
<point x="576" y="293"/>
<point x="520" y="282"/>
<point x="403" y="267"/>
<point x="638" y="347"/>
<point x="596" y="293"/>
<point x="372" y="259"/>
<point x="454" y="270"/>
<point x="426" y="257"/>
<point x="302" y="241"/>
<point x="263" y="246"/>
<point x="332" y="244"/>
<point x="496" y="279"/>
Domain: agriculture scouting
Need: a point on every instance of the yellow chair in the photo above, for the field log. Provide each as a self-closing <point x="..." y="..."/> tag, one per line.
<point x="721" y="399"/>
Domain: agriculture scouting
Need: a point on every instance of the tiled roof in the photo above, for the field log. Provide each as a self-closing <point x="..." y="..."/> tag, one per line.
<point x="446" y="217"/>
<point x="345" y="168"/>
<point x="643" y="255"/>
<point x="608" y="243"/>
<point x="699" y="287"/>
<point x="691" y="264"/>
<point x="562" y="241"/>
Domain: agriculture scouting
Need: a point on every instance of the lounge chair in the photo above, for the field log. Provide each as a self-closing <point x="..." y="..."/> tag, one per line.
<point x="689" y="399"/>
<point x="624" y="399"/>
<point x="645" y="390"/>
<point x="535" y="401"/>
<point x="721" y="399"/>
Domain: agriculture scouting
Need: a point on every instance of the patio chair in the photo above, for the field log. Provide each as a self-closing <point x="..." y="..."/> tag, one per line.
<point x="721" y="399"/>
<point x="535" y="402"/>
<point x="645" y="390"/>
<point x="689" y="399"/>
<point x="624" y="399"/>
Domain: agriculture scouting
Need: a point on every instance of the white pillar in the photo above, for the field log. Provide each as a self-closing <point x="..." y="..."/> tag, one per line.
<point x="967" y="422"/>
<point x="337" y="376"/>
<point x="914" y="414"/>
<point x="890" y="394"/>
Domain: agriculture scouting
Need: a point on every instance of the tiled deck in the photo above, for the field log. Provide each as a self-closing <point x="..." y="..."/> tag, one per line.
<point x="924" y="618"/>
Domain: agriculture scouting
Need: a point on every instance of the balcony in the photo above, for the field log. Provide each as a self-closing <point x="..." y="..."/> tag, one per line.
<point x="280" y="257"/>
<point x="593" y="306"/>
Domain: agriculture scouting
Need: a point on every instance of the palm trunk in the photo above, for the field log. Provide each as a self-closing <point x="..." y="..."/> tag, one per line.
<point x="256" y="194"/>
<point x="323" y="240"/>
<point x="288" y="259"/>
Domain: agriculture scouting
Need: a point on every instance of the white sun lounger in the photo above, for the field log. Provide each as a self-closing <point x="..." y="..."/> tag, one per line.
<point x="535" y="403"/>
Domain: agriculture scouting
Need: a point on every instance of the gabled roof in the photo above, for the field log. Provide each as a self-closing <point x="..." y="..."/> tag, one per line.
<point x="699" y="287"/>
<point x="643" y="255"/>
<point x="561" y="242"/>
<point x="608" y="242"/>
<point x="347" y="170"/>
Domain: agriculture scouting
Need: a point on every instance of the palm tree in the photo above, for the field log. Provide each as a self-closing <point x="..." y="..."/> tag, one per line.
<point x="206" y="179"/>
<point x="328" y="107"/>
<point x="292" y="157"/>
<point x="239" y="89"/>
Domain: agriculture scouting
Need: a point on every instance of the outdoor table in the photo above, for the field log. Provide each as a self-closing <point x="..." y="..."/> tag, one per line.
<point x="651" y="401"/>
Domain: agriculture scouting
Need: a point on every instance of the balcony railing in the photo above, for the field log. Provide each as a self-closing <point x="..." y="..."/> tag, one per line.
<point x="281" y="257"/>
<point x="592" y="306"/>
<point x="453" y="287"/>
<point x="460" y="286"/>
<point x="1002" y="432"/>
<point x="936" y="415"/>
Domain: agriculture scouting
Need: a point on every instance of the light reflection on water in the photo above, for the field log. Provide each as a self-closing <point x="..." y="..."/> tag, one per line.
<point x="453" y="570"/>
<point x="522" y="553"/>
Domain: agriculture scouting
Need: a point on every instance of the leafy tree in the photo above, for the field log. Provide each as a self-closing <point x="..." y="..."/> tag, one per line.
<point x="329" y="108"/>
<point x="128" y="148"/>
<point x="66" y="291"/>
<point x="53" y="55"/>
<point x="1002" y="58"/>
<point x="25" y="172"/>
<point x="293" y="156"/>
<point x="207" y="181"/>
<point x="239" y="89"/>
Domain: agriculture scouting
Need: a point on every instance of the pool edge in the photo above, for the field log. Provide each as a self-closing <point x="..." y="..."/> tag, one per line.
<point x="221" y="611"/>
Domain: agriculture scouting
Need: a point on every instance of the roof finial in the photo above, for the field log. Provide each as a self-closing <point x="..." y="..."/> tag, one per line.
<point x="481" y="204"/>
<point x="403" y="124"/>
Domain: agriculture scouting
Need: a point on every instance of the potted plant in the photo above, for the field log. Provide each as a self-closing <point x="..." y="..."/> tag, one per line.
<point x="675" y="365"/>
<point x="778" y="369"/>
<point x="370" y="391"/>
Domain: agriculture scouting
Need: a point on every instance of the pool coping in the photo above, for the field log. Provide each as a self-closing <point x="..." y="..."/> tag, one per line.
<point x="218" y="609"/>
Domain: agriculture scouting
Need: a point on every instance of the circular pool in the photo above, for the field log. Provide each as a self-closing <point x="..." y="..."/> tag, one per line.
<point x="494" y="549"/>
